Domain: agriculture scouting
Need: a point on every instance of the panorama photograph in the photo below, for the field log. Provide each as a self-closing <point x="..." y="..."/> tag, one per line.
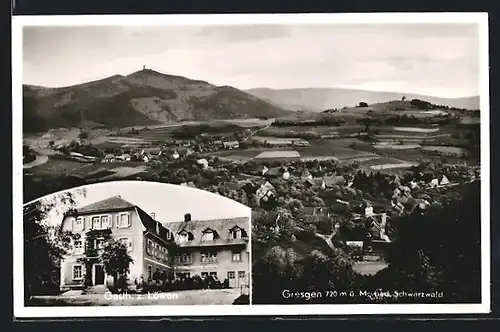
<point x="131" y="243"/>
<point x="356" y="146"/>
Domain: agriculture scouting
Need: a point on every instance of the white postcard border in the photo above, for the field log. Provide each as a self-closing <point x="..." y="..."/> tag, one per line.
<point x="20" y="311"/>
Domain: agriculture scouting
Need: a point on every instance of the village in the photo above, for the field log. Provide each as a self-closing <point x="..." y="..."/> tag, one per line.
<point x="336" y="201"/>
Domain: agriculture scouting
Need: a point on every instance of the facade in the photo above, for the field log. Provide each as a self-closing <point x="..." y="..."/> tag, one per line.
<point x="231" y="145"/>
<point x="147" y="240"/>
<point x="217" y="248"/>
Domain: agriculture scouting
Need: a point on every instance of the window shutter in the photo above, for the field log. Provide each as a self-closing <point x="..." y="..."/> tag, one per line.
<point x="128" y="219"/>
<point x="73" y="223"/>
<point x="110" y="221"/>
<point x="71" y="246"/>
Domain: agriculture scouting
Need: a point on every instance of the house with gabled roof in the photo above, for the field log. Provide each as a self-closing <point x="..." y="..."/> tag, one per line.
<point x="335" y="180"/>
<point x="315" y="183"/>
<point x="217" y="248"/>
<point x="306" y="175"/>
<point x="278" y="172"/>
<point x="266" y="190"/>
<point x="231" y="145"/>
<point x="147" y="240"/>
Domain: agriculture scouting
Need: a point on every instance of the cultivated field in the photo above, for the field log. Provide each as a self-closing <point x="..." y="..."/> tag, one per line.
<point x="396" y="146"/>
<point x="57" y="166"/>
<point x="444" y="149"/>
<point x="416" y="129"/>
<point x="278" y="154"/>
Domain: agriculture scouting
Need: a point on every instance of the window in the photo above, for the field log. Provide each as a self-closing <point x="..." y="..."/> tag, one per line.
<point x="77" y="272"/>
<point x="183" y="275"/>
<point x="178" y="259"/>
<point x="204" y="275"/>
<point x="236" y="257"/>
<point x="231" y="275"/>
<point x="78" y="247"/>
<point x="96" y="223"/>
<point x="105" y="222"/>
<point x="213" y="274"/>
<point x="204" y="257"/>
<point x="150" y="272"/>
<point x="183" y="237"/>
<point x="123" y="220"/>
<point x="99" y="243"/>
<point x="149" y="247"/>
<point x="241" y="274"/>
<point x="208" y="257"/>
<point x="208" y="235"/>
<point x="169" y="235"/>
<point x="236" y="233"/>
<point x="186" y="258"/>
<point x="78" y="224"/>
<point x="126" y="242"/>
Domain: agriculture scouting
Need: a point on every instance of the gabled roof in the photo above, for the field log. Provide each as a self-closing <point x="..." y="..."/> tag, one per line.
<point x="315" y="181"/>
<point x="221" y="226"/>
<point x="150" y="225"/>
<point x="267" y="185"/>
<point x="116" y="203"/>
<point x="334" y="180"/>
<point x="108" y="204"/>
<point x="305" y="173"/>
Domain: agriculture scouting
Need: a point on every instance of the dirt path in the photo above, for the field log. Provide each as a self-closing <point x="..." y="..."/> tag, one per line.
<point x="328" y="238"/>
<point x="255" y="131"/>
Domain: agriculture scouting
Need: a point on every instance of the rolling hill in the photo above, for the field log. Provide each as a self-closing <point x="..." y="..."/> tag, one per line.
<point x="319" y="99"/>
<point x="145" y="97"/>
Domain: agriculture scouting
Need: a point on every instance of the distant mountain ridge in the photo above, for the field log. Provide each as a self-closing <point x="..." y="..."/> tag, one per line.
<point x="320" y="99"/>
<point x="145" y="97"/>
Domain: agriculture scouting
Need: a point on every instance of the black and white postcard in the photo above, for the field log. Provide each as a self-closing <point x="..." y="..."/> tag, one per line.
<point x="295" y="164"/>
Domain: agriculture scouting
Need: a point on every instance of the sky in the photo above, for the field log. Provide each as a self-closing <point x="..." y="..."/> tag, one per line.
<point x="432" y="59"/>
<point x="168" y="202"/>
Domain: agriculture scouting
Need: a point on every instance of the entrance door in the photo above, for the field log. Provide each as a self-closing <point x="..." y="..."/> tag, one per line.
<point x="98" y="275"/>
<point x="231" y="275"/>
<point x="242" y="278"/>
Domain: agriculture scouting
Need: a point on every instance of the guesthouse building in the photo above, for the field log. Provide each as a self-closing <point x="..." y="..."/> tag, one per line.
<point x="147" y="240"/>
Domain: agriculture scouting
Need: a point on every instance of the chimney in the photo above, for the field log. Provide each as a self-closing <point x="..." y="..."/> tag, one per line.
<point x="187" y="217"/>
<point x="153" y="215"/>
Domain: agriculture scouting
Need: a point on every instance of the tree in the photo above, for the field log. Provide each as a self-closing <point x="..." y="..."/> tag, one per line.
<point x="95" y="241"/>
<point x="276" y="271"/>
<point x="116" y="261"/>
<point x="439" y="250"/>
<point x="45" y="244"/>
<point x="333" y="272"/>
<point x="83" y="135"/>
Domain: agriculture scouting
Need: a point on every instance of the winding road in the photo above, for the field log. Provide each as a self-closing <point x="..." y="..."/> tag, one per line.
<point x="41" y="159"/>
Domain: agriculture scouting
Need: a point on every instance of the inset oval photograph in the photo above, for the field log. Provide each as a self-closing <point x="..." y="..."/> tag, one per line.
<point x="132" y="243"/>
